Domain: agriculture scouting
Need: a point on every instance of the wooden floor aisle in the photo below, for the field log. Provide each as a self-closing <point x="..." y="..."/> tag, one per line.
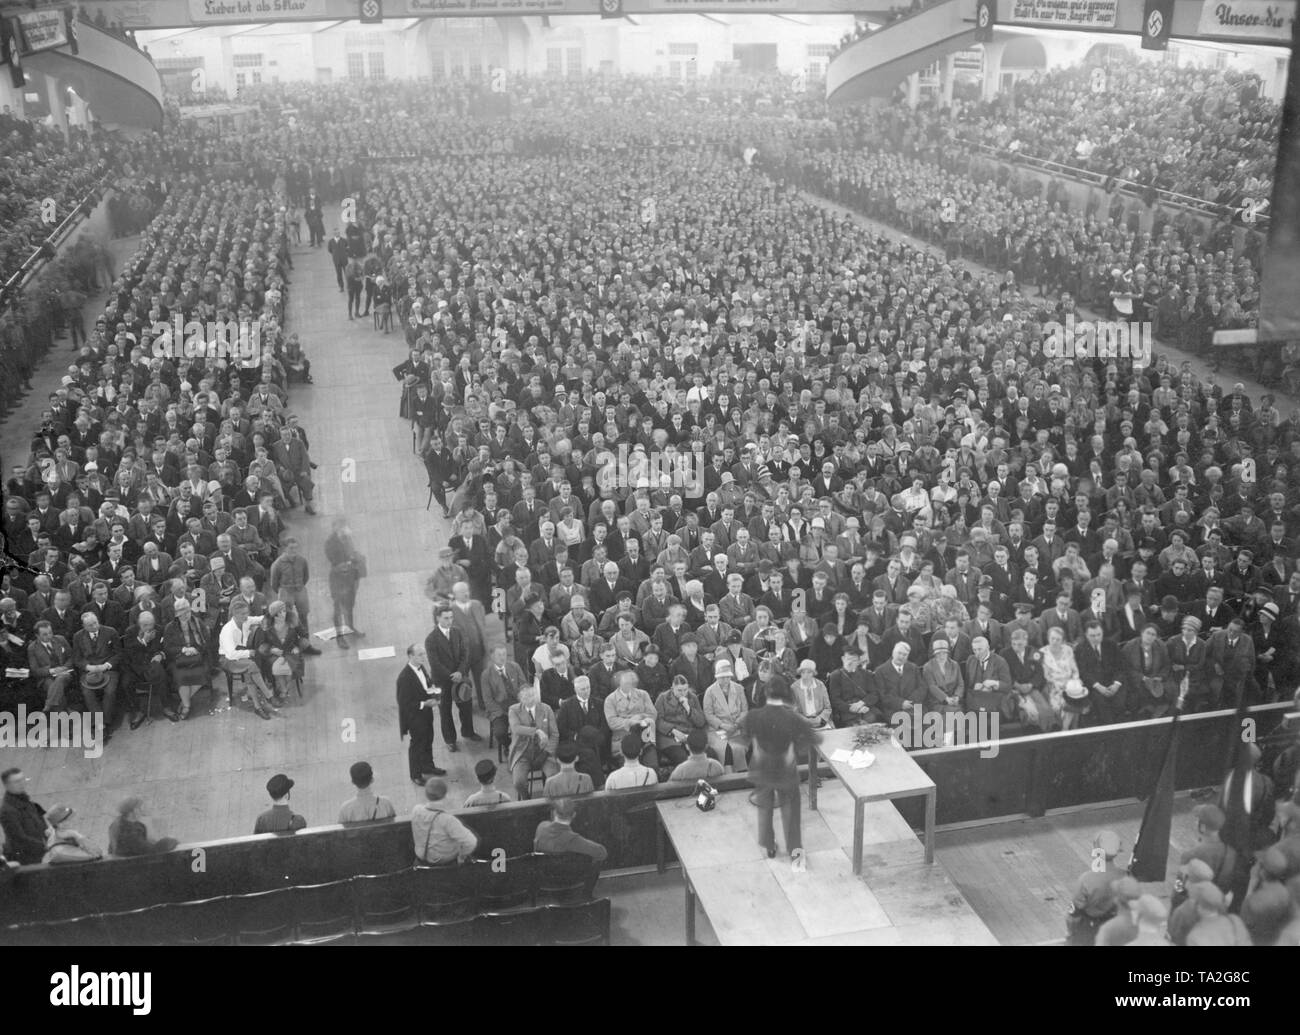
<point x="205" y="778"/>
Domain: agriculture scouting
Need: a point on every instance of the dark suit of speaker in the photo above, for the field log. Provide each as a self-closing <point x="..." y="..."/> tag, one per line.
<point x="416" y="722"/>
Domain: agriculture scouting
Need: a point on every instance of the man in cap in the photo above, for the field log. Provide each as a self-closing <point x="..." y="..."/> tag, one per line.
<point x="1150" y="914"/>
<point x="852" y="691"/>
<point x="1094" y="898"/>
<point x="1121" y="928"/>
<point x="279" y="818"/>
<point x="1214" y="924"/>
<point x="1182" y="912"/>
<point x="439" y="837"/>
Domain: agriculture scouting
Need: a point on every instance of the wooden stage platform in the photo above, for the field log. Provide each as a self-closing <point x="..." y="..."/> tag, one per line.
<point x="899" y="899"/>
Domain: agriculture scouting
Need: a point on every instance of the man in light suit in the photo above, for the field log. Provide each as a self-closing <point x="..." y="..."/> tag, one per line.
<point x="500" y="684"/>
<point x="534" y="737"/>
<point x="416" y="699"/>
<point x="899" y="681"/>
<point x="449" y="667"/>
<point x="468" y="616"/>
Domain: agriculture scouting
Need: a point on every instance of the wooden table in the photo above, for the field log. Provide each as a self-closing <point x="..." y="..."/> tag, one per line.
<point x="893" y="775"/>
<point x="753" y="900"/>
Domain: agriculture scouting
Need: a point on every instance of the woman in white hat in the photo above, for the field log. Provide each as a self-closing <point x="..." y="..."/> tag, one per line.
<point x="942" y="678"/>
<point x="724" y="709"/>
<point x="810" y="697"/>
<point x="62" y="843"/>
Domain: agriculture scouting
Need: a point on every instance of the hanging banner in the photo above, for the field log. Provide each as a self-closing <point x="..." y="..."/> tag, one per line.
<point x="1263" y="20"/>
<point x="1157" y="23"/>
<point x="42" y="30"/>
<point x="214" y="12"/>
<point x="1066" y="14"/>
<point x="1279" y="302"/>
<point x="986" y="16"/>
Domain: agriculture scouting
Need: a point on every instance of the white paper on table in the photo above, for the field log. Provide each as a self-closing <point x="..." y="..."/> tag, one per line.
<point x="371" y="653"/>
<point x="842" y="755"/>
<point x="861" y="759"/>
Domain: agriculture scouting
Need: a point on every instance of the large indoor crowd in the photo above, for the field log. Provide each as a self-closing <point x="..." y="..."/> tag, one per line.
<point x="698" y="436"/>
<point x="146" y="521"/>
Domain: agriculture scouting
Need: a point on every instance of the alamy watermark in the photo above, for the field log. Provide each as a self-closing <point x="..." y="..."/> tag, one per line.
<point x="83" y="731"/>
<point x="917" y="729"/>
<point x="1098" y="339"/>
<point x="636" y="468"/>
<point x="236" y="340"/>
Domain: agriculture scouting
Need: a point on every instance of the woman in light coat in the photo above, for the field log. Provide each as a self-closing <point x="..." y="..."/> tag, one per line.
<point x="724" y="709"/>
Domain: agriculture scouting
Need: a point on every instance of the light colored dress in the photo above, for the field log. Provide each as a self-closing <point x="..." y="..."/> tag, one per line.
<point x="1059" y="667"/>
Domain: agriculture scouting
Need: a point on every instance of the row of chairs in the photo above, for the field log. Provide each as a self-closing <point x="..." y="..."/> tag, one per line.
<point x="583" y="923"/>
<point x="370" y="904"/>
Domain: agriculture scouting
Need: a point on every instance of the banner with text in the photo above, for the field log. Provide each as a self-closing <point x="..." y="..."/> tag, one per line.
<point x="205" y="12"/>
<point x="1263" y="20"/>
<point x="1066" y="14"/>
<point x="43" y="30"/>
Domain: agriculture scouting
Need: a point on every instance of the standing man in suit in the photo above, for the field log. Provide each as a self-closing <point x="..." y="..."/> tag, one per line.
<point x="338" y="249"/>
<point x="347" y="568"/>
<point x="780" y="738"/>
<point x="469" y="618"/>
<point x="417" y="696"/>
<point x="449" y="664"/>
<point x="534" y="736"/>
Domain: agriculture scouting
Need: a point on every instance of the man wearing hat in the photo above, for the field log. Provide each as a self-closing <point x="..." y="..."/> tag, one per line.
<point x="852" y="691"/>
<point x="279" y="818"/>
<point x="1094" y="896"/>
<point x="1150" y="915"/>
<point x="1214" y="924"/>
<point x="1121" y="928"/>
<point x="1210" y="849"/>
<point x="439" y="837"/>
<point x="1182" y="913"/>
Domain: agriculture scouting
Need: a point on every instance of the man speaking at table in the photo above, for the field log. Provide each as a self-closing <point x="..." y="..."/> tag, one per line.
<point x="780" y="737"/>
